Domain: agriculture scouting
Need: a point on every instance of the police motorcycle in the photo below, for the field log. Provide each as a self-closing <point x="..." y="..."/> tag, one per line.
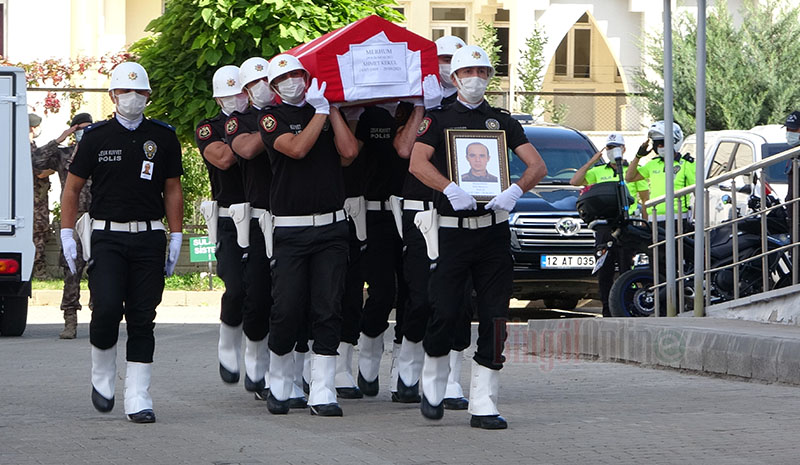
<point x="632" y="295"/>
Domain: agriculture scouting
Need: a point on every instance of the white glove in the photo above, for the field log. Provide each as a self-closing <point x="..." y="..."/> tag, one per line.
<point x="175" y="240"/>
<point x="315" y="96"/>
<point x="69" y="247"/>
<point x="506" y="199"/>
<point x="432" y="92"/>
<point x="459" y="198"/>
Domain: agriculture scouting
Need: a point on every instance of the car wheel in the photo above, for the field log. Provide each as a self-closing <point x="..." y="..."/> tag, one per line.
<point x="630" y="295"/>
<point x="13" y="315"/>
<point x="561" y="303"/>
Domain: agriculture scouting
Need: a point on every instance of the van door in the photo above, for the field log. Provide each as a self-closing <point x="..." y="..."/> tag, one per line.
<point x="7" y="141"/>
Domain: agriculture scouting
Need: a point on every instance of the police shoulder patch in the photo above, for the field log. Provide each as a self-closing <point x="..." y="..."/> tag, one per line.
<point x="204" y="132"/>
<point x="424" y="126"/>
<point x="166" y="125"/>
<point x="232" y="125"/>
<point x="268" y="123"/>
<point x="676" y="169"/>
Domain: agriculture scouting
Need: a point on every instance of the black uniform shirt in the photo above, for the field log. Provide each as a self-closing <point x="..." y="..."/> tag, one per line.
<point x="128" y="168"/>
<point x="384" y="169"/>
<point x="226" y="185"/>
<point x="313" y="184"/>
<point x="458" y="116"/>
<point x="256" y="172"/>
<point x="354" y="178"/>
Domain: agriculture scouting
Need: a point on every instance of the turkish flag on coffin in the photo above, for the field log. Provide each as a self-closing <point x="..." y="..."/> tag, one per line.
<point x="369" y="59"/>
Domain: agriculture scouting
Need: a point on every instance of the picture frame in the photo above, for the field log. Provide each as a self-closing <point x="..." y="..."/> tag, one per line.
<point x="477" y="161"/>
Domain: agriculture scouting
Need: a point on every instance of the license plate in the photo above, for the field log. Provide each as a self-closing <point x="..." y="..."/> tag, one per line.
<point x="567" y="261"/>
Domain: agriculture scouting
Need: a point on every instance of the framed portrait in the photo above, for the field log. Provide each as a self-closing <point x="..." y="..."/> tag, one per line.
<point x="477" y="160"/>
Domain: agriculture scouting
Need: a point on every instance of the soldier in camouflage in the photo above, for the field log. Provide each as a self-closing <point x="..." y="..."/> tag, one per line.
<point x="41" y="211"/>
<point x="55" y="156"/>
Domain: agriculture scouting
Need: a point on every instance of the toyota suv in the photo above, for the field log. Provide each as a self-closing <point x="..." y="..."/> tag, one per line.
<point x="553" y="249"/>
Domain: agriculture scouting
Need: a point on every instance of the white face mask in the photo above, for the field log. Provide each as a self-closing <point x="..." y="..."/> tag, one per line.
<point x="37" y="131"/>
<point x="261" y="94"/>
<point x="292" y="90"/>
<point x="130" y="105"/>
<point x="234" y="103"/>
<point x="612" y="154"/>
<point x="472" y="88"/>
<point x="661" y="151"/>
<point x="792" y="138"/>
<point x="78" y="135"/>
<point x="444" y="76"/>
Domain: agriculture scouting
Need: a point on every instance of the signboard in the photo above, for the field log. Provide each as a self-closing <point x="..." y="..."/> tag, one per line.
<point x="379" y="64"/>
<point x="201" y="250"/>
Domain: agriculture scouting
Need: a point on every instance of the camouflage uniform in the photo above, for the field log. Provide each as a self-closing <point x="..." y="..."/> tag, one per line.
<point x="41" y="219"/>
<point x="53" y="157"/>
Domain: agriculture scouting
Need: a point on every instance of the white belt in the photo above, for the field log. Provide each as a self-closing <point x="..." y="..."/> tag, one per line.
<point x="378" y="205"/>
<point x="417" y="205"/>
<point x="130" y="226"/>
<point x="473" y="222"/>
<point x="257" y="212"/>
<point x="310" y="220"/>
<point x="223" y="212"/>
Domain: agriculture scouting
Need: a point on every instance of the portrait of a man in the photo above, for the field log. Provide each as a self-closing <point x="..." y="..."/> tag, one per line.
<point x="478" y="158"/>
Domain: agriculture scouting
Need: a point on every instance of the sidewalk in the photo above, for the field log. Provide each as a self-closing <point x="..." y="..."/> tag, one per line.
<point x="47" y="297"/>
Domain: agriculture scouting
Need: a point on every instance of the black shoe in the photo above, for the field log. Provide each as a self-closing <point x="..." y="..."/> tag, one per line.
<point x="145" y="416"/>
<point x="368" y="388"/>
<point x="277" y="407"/>
<point x="456" y="403"/>
<point x="349" y="393"/>
<point x="306" y="387"/>
<point x="251" y="386"/>
<point x="298" y="402"/>
<point x="326" y="410"/>
<point x="429" y="411"/>
<point x="261" y="395"/>
<point x="101" y="403"/>
<point x="488" y="422"/>
<point x="406" y="394"/>
<point x="228" y="376"/>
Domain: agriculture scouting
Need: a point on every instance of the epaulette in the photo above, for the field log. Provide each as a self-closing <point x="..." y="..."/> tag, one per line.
<point x="501" y="110"/>
<point x="688" y="158"/>
<point x="439" y="108"/>
<point x="161" y="123"/>
<point x="95" y="125"/>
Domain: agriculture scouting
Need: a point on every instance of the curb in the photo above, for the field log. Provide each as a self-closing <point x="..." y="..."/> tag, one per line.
<point x="52" y="297"/>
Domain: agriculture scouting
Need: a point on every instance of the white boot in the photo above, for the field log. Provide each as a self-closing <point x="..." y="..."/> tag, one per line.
<point x="322" y="397"/>
<point x="434" y="384"/>
<point x="298" y="397"/>
<point x="393" y="370"/>
<point x="229" y="352"/>
<point x="370" y="350"/>
<point x="104" y="377"/>
<point x="483" y="391"/>
<point x="346" y="387"/>
<point x="256" y="365"/>
<point x="409" y="368"/>
<point x="138" y="403"/>
<point x="307" y="367"/>
<point x="281" y="377"/>
<point x="454" y="396"/>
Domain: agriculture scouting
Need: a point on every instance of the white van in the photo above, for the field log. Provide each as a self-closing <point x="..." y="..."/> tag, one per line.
<point x="16" y="203"/>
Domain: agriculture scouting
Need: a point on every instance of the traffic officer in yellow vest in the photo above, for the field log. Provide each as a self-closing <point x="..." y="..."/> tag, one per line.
<point x="472" y="241"/>
<point x="135" y="166"/>
<point x="225" y="177"/>
<point x="588" y="174"/>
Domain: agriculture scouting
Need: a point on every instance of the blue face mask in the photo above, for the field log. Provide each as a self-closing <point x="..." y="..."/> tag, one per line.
<point x="792" y="138"/>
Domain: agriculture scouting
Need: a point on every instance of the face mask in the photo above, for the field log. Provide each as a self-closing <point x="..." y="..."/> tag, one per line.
<point x="660" y="151"/>
<point x="234" y="103"/>
<point x="472" y="88"/>
<point x="261" y="95"/>
<point x="78" y="135"/>
<point x="444" y="75"/>
<point x="37" y="131"/>
<point x="612" y="154"/>
<point x="292" y="90"/>
<point x="792" y="138"/>
<point x="130" y="105"/>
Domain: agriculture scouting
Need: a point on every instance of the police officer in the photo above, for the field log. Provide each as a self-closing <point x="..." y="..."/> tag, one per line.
<point x="472" y="241"/>
<point x="225" y="177"/>
<point x="618" y="256"/>
<point x="446" y="46"/>
<point x="57" y="157"/>
<point x="308" y="142"/>
<point x="135" y="166"/>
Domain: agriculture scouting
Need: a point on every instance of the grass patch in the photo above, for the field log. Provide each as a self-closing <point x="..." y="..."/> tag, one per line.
<point x="186" y="282"/>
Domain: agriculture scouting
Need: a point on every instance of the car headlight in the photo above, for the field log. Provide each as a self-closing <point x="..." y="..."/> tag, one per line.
<point x="514" y="240"/>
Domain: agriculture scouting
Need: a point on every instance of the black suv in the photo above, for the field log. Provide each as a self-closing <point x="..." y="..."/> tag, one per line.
<point x="553" y="249"/>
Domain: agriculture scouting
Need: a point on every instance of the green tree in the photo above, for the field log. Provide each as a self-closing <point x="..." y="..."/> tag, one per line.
<point x="487" y="40"/>
<point x="751" y="71"/>
<point x="195" y="37"/>
<point x="531" y="72"/>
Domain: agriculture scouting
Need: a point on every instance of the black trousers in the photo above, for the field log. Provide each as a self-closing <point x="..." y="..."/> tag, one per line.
<point x="353" y="299"/>
<point x="618" y="256"/>
<point x="484" y="255"/>
<point x="416" y="271"/>
<point x="257" y="284"/>
<point x="230" y="269"/>
<point x="382" y="265"/>
<point x="126" y="278"/>
<point x="309" y="265"/>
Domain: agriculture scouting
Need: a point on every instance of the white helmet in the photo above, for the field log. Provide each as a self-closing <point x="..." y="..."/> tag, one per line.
<point x="615" y="139"/>
<point x="657" y="131"/>
<point x="226" y="81"/>
<point x="468" y="56"/>
<point x="252" y="69"/>
<point x="282" y="64"/>
<point x="129" y="75"/>
<point x="447" y="45"/>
